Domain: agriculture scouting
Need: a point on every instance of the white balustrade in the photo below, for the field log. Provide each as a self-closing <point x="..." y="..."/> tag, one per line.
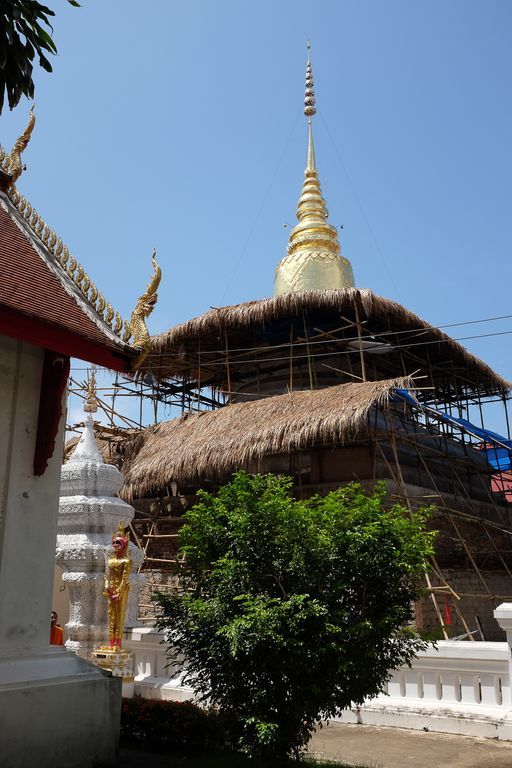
<point x="458" y="687"/>
<point x="155" y="676"/>
<point x="456" y="672"/>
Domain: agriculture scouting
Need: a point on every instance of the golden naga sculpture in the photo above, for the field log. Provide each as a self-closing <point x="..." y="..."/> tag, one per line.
<point x="117" y="586"/>
<point x="145" y="305"/>
<point x="13" y="164"/>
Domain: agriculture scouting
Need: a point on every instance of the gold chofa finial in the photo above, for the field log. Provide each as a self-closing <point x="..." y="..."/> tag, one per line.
<point x="15" y="166"/>
<point x="144" y="307"/>
<point x="91" y="401"/>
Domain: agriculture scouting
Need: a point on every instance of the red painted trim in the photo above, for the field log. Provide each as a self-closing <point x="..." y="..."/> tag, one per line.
<point x="53" y="383"/>
<point x="61" y="340"/>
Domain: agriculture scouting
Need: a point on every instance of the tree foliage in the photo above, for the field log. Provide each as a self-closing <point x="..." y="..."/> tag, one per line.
<point x="292" y="610"/>
<point x="22" y="36"/>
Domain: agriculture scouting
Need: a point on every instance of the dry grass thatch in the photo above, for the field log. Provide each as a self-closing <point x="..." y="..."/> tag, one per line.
<point x="262" y="311"/>
<point x="166" y="353"/>
<point x="212" y="444"/>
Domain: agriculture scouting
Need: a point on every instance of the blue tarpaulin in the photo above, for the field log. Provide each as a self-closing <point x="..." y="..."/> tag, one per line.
<point x="404" y="394"/>
<point x="499" y="456"/>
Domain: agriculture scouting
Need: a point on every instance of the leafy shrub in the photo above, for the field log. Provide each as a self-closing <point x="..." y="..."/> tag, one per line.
<point x="173" y="726"/>
<point x="292" y="610"/>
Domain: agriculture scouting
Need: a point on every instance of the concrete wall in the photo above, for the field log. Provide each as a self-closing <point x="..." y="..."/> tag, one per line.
<point x="55" y="709"/>
<point x="67" y="722"/>
<point x="28" y="505"/>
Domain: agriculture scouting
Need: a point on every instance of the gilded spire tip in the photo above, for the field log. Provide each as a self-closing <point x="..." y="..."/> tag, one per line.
<point x="310" y="110"/>
<point x="91" y="401"/>
<point x="309" y="96"/>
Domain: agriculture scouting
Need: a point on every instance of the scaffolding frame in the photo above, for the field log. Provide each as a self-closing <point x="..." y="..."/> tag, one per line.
<point x="315" y="358"/>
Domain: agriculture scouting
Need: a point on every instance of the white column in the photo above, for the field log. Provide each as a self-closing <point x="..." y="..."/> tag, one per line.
<point x="55" y="708"/>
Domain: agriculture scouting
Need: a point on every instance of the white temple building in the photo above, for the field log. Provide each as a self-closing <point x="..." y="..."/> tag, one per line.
<point x="55" y="708"/>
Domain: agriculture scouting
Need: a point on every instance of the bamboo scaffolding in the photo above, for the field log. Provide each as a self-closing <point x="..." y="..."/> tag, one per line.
<point x="455" y="527"/>
<point x="456" y="480"/>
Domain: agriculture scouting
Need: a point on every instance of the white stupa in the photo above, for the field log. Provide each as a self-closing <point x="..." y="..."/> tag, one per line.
<point x="89" y="513"/>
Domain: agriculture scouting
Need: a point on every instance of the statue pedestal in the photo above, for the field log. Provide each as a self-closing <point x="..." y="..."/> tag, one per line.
<point x="115" y="660"/>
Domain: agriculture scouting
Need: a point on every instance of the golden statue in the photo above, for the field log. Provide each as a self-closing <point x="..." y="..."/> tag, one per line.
<point x="117" y="586"/>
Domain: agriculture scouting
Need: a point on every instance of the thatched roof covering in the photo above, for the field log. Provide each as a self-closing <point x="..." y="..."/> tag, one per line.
<point x="212" y="444"/>
<point x="189" y="349"/>
<point x="263" y="311"/>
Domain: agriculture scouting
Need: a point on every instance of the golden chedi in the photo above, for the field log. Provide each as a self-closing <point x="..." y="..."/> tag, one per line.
<point x="314" y="259"/>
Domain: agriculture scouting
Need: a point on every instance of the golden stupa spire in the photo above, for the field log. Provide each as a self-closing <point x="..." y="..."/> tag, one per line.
<point x="314" y="260"/>
<point x="309" y="111"/>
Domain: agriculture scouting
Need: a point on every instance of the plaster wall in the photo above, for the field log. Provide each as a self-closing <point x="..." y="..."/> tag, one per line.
<point x="55" y="709"/>
<point x="28" y="505"/>
<point x="73" y="722"/>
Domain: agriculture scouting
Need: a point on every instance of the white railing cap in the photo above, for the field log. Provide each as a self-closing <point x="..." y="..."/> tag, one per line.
<point x="503" y="615"/>
<point x="463" y="650"/>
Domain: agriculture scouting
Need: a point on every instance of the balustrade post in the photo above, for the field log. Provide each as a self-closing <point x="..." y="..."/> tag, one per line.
<point x="503" y="615"/>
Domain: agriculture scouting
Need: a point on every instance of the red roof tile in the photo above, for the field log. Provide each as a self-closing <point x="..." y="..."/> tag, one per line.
<point x="32" y="291"/>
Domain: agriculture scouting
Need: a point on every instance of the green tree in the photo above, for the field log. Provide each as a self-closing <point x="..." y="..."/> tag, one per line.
<point x="22" y="36"/>
<point x="292" y="610"/>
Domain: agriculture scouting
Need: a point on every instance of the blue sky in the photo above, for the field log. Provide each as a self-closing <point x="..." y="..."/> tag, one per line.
<point x="180" y="126"/>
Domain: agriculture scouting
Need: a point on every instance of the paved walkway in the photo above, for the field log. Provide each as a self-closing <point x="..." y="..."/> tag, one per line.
<point x="375" y="747"/>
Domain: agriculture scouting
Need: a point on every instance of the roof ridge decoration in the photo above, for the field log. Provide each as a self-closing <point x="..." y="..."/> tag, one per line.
<point x="145" y="305"/>
<point x="313" y="259"/>
<point x="10" y="163"/>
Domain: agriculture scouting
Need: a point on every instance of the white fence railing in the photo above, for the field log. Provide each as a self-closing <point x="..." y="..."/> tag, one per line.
<point x="459" y="687"/>
<point x="456" y="673"/>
